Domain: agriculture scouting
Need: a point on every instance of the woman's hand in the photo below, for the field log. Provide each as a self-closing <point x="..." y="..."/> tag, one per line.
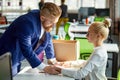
<point x="63" y="64"/>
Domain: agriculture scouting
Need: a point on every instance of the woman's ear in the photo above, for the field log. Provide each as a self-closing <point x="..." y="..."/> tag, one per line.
<point x="100" y="36"/>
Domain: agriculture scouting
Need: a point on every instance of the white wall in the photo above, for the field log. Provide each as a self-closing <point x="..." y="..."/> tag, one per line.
<point x="100" y="4"/>
<point x="32" y="4"/>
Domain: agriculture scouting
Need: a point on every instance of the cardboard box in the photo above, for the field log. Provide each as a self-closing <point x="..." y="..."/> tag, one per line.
<point x="66" y="50"/>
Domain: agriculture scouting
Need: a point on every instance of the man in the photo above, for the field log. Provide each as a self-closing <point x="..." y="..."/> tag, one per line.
<point x="64" y="16"/>
<point x="40" y="4"/>
<point x="22" y="37"/>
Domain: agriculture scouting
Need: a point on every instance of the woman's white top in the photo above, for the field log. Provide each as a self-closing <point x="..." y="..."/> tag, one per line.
<point x="94" y="69"/>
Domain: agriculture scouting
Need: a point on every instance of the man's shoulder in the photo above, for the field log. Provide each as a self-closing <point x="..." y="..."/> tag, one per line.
<point x="35" y="11"/>
<point x="33" y="14"/>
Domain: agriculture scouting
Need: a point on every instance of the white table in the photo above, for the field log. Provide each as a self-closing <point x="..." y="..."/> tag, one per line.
<point x="28" y="74"/>
<point x="111" y="47"/>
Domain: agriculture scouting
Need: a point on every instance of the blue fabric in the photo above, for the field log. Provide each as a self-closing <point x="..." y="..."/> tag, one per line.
<point x="21" y="38"/>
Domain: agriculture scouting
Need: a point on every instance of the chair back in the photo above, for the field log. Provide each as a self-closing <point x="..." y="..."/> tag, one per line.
<point x="66" y="27"/>
<point x="99" y="19"/>
<point x="67" y="37"/>
<point x="86" y="48"/>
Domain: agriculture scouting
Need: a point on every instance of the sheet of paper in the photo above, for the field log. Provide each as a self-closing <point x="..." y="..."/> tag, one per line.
<point x="73" y="64"/>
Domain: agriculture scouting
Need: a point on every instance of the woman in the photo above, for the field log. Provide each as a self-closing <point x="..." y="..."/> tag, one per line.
<point x="95" y="67"/>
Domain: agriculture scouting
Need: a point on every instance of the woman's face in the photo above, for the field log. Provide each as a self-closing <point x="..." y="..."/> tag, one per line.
<point x="91" y="35"/>
<point x="47" y="22"/>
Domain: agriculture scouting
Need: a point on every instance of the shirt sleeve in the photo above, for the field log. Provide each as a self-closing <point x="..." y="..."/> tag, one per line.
<point x="23" y="34"/>
<point x="42" y="66"/>
<point x="83" y="72"/>
<point x="49" y="50"/>
<point x="52" y="60"/>
<point x="78" y="74"/>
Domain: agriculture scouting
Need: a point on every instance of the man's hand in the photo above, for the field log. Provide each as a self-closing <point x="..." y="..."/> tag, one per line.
<point x="51" y="70"/>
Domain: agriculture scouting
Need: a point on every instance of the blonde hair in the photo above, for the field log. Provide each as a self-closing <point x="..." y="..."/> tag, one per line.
<point x="102" y="28"/>
<point x="50" y="10"/>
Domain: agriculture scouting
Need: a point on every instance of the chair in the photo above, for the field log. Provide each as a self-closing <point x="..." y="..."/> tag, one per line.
<point x="5" y="67"/>
<point x="112" y="78"/>
<point x="69" y="35"/>
<point x="99" y="19"/>
<point x="86" y="48"/>
<point x="66" y="28"/>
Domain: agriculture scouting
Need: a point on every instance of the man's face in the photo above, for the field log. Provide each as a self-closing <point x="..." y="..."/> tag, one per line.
<point x="48" y="23"/>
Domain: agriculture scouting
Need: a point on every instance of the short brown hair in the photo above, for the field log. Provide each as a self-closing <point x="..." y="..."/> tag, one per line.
<point x="50" y="10"/>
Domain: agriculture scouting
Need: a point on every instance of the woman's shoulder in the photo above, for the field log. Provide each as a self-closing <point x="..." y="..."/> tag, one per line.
<point x="100" y="51"/>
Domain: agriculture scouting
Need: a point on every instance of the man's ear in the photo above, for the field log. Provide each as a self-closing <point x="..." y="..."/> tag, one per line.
<point x="42" y="18"/>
